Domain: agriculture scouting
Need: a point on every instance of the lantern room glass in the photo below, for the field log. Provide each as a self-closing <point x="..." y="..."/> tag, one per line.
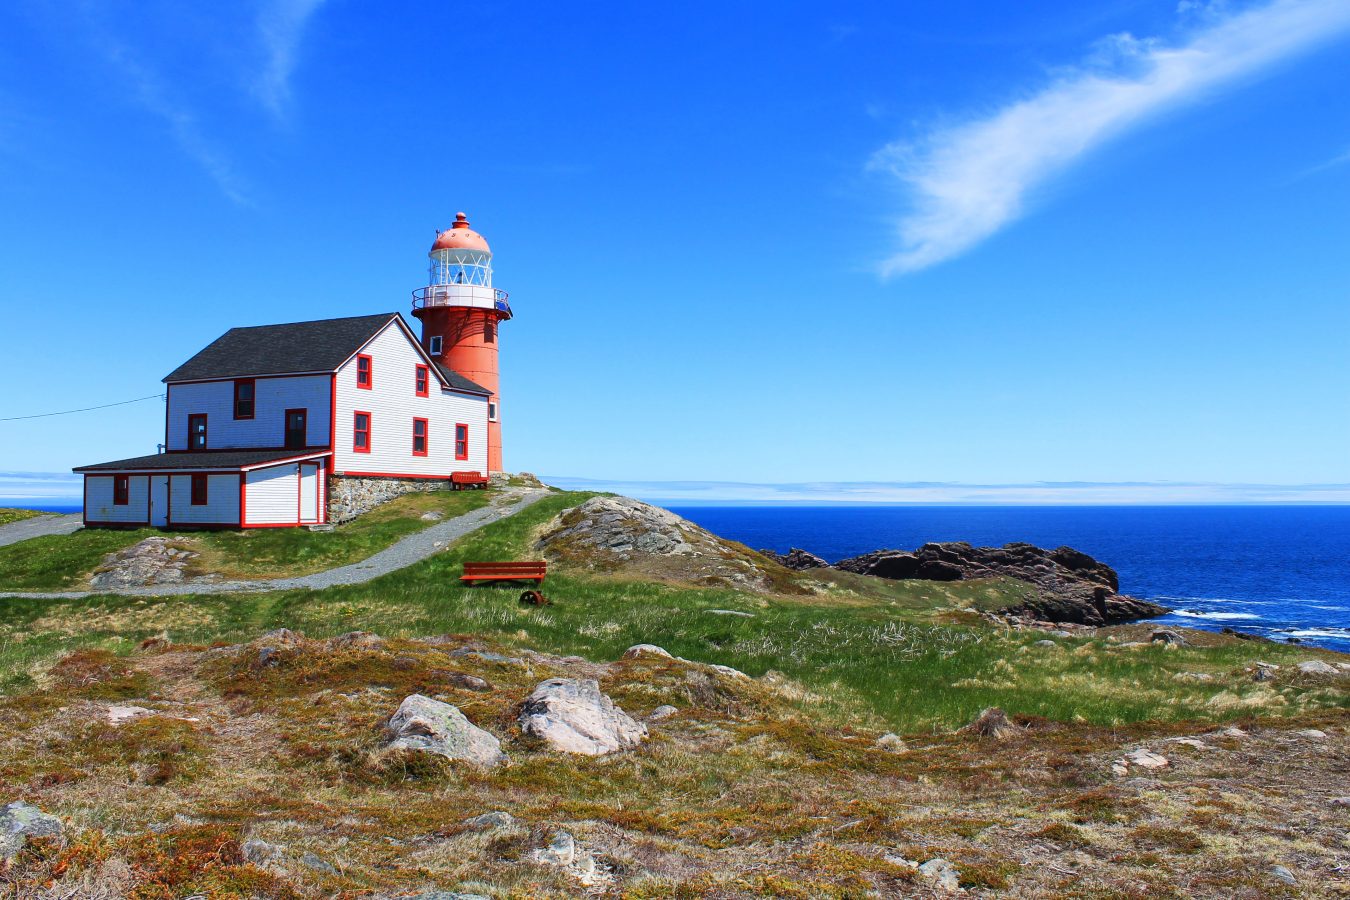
<point x="461" y="267"/>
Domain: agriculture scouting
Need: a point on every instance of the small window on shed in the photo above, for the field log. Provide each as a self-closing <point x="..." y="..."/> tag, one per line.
<point x="121" y="490"/>
<point x="199" y="489"/>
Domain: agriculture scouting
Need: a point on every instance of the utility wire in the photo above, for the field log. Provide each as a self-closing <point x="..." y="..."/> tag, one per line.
<point x="66" y="412"/>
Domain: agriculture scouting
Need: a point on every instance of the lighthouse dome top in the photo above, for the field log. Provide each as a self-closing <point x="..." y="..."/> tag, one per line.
<point x="460" y="236"/>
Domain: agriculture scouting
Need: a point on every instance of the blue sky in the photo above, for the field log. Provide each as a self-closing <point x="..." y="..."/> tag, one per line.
<point x="768" y="243"/>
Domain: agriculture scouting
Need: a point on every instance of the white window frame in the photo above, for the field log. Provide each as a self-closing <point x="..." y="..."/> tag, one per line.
<point x="434" y="345"/>
<point x="492" y="410"/>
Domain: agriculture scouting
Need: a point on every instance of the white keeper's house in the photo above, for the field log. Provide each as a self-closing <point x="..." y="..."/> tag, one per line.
<point x="314" y="422"/>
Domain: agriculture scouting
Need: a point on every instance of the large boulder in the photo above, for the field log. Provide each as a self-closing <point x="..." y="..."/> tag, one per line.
<point x="422" y="723"/>
<point x="154" y="560"/>
<point x="18" y="822"/>
<point x="796" y="559"/>
<point x="1070" y="585"/>
<point x="620" y="533"/>
<point x="572" y="716"/>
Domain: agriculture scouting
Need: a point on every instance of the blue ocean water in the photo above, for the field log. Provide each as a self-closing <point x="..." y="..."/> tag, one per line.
<point x="1278" y="571"/>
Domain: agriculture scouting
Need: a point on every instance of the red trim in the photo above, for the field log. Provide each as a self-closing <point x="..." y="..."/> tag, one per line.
<point x="286" y="428"/>
<point x="422" y="381"/>
<point x="121" y="490"/>
<point x="426" y="437"/>
<point x="369" y="373"/>
<point x="206" y="440"/>
<point x="421" y="475"/>
<point x="332" y="414"/>
<point x="243" y="505"/>
<point x="238" y="383"/>
<point x="461" y="445"/>
<point x="370" y="422"/>
<point x="200" y="488"/>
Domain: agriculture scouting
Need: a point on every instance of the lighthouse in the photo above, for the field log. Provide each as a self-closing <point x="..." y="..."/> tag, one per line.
<point x="461" y="313"/>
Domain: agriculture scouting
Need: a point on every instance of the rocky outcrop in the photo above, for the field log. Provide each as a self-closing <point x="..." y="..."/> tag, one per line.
<point x="18" y="822"/>
<point x="1070" y="585"/>
<point x="618" y="533"/>
<point x="152" y="561"/>
<point x="572" y="716"/>
<point x="796" y="559"/>
<point x="435" y="727"/>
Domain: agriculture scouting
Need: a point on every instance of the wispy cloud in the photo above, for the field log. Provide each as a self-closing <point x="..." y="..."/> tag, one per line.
<point x="965" y="182"/>
<point x="1078" y="493"/>
<point x="281" y="28"/>
<point x="1338" y="160"/>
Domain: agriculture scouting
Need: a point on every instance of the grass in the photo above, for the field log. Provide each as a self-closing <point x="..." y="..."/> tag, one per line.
<point x="64" y="562"/>
<point x="908" y="656"/>
<point x="10" y="514"/>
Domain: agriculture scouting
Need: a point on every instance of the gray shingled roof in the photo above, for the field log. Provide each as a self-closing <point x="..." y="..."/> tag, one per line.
<point x="319" y="346"/>
<point x="460" y="383"/>
<point x="203" y="459"/>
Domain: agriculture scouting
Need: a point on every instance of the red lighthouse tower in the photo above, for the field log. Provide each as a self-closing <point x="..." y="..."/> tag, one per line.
<point x="460" y="312"/>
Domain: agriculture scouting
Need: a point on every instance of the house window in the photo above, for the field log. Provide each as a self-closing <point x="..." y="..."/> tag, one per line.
<point x="243" y="398"/>
<point x="461" y="442"/>
<point x="296" y="432"/>
<point x="197" y="431"/>
<point x="419" y="437"/>
<point x="361" y="433"/>
<point x="423" y="381"/>
<point x="121" y="490"/>
<point x="434" y="345"/>
<point x="489" y="332"/>
<point x="364" y="373"/>
<point x="199" y="488"/>
<point x="492" y="411"/>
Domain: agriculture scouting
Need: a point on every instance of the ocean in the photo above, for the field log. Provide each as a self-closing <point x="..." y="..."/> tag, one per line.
<point x="1282" y="572"/>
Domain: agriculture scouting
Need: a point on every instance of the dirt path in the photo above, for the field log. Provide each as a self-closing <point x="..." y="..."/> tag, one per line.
<point x="411" y="549"/>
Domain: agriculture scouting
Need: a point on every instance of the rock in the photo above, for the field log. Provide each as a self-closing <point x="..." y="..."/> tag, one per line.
<point x="432" y="516"/>
<point x="1193" y="676"/>
<point x="20" y="821"/>
<point x="495" y="819"/>
<point x="572" y="716"/>
<point x="1191" y="742"/>
<point x="729" y="612"/>
<point x="1312" y="733"/>
<point x="1265" y="665"/>
<point x="280" y="637"/>
<point x="1047" y="644"/>
<point x="1167" y="637"/>
<point x="357" y="640"/>
<point x="796" y="559"/>
<point x="1145" y="759"/>
<point x="992" y="723"/>
<point x="435" y="727"/>
<point x="1263" y="675"/>
<point x="317" y="863"/>
<point x="728" y="671"/>
<point x="1340" y="801"/>
<point x="1071" y="586"/>
<point x="611" y="532"/>
<point x="151" y="561"/>
<point x="639" y="650"/>
<point x="561" y="851"/>
<point x="267" y="657"/>
<point x="1233" y="733"/>
<point x="261" y="853"/>
<point x="664" y="711"/>
<point x="487" y="656"/>
<point x="1317" y="667"/>
<point x="941" y="874"/>
<point x="891" y="743"/>
<point x="1280" y="873"/>
<point x="118" y="715"/>
<point x="468" y="682"/>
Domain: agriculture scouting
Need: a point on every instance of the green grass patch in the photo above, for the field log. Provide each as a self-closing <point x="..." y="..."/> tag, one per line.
<point x="9" y="514"/>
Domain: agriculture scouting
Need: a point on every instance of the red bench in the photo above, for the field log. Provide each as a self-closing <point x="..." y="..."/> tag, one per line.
<point x="461" y="480"/>
<point x="505" y="571"/>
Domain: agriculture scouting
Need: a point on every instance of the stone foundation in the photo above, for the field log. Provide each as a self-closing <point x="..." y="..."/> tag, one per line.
<point x="349" y="496"/>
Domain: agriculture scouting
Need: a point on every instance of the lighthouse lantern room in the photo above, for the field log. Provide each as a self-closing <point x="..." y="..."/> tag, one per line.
<point x="461" y="312"/>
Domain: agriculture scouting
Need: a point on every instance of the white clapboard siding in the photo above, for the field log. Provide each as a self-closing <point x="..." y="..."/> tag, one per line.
<point x="393" y="403"/>
<point x="267" y="428"/>
<point x="222" y="501"/>
<point x="98" y="500"/>
<point x="272" y="496"/>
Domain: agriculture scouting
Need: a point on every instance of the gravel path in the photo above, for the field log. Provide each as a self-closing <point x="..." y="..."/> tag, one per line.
<point x="38" y="526"/>
<point x="411" y="549"/>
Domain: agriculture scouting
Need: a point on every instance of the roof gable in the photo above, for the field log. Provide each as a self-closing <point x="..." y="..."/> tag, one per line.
<point x="290" y="349"/>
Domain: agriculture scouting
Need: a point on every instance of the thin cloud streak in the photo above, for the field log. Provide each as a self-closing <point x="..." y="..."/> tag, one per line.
<point x="281" y="28"/>
<point x="968" y="181"/>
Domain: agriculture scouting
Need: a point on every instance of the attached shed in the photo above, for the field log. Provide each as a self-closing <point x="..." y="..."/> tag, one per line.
<point x="225" y="488"/>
